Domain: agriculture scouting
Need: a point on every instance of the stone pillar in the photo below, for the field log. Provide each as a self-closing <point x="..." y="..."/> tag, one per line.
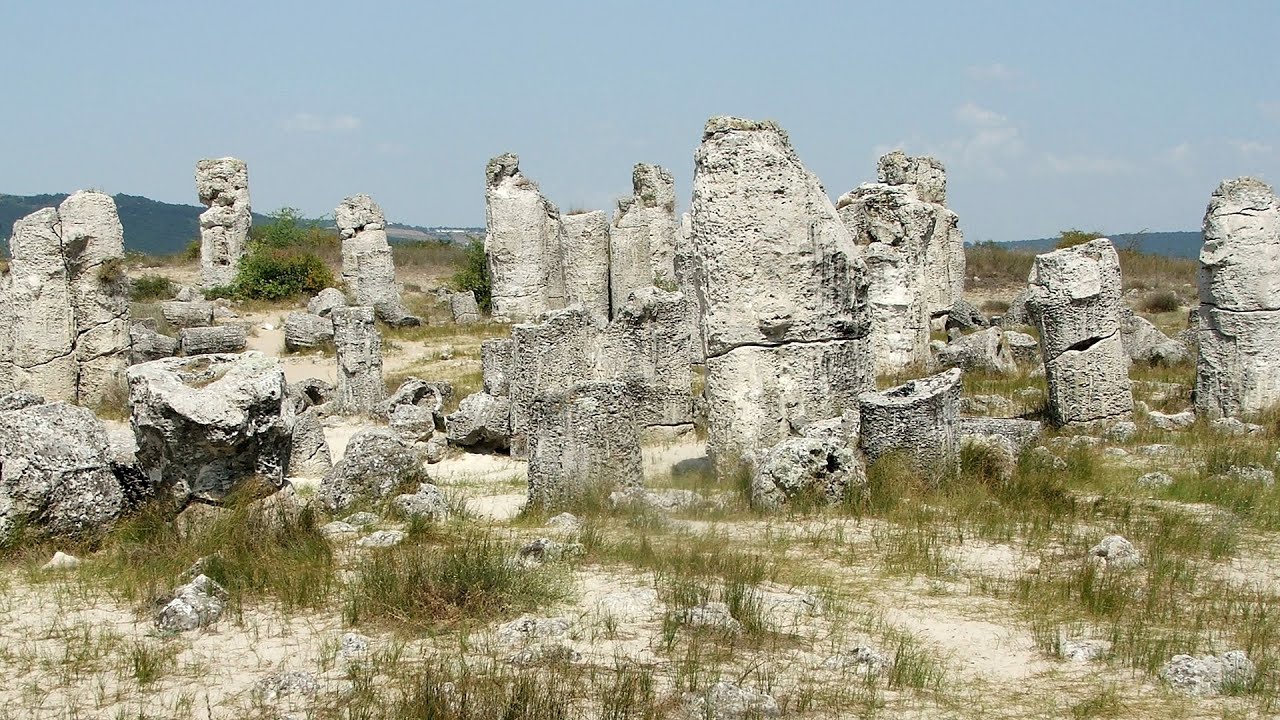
<point x="586" y="263"/>
<point x="943" y="262"/>
<point x="44" y="326"/>
<point x="7" y="381"/>
<point x="647" y="347"/>
<point x="359" y="351"/>
<point x="920" y="419"/>
<point x="552" y="354"/>
<point x="642" y="244"/>
<point x="582" y="438"/>
<point x="1074" y="296"/>
<point x="93" y="245"/>
<point x="223" y="186"/>
<point x="781" y="288"/>
<point x="367" y="267"/>
<point x="1237" y="366"/>
<point x="522" y="243"/>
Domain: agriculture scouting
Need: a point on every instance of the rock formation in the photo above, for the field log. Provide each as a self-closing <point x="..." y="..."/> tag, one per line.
<point x="647" y="347"/>
<point x="367" y="266"/>
<point x="1074" y="296"/>
<point x="359" y="355"/>
<point x="213" y="339"/>
<point x="781" y="290"/>
<point x="1237" y="367"/>
<point x="642" y="242"/>
<point x="920" y="419"/>
<point x="375" y="465"/>
<point x="552" y="354"/>
<point x="582" y="438"/>
<point x="211" y="425"/>
<point x="914" y="253"/>
<point x="304" y="331"/>
<point x="820" y="470"/>
<point x="465" y="309"/>
<point x="223" y="186"/>
<point x="67" y="309"/>
<point x="585" y="259"/>
<point x="522" y="243"/>
<point x="985" y="351"/>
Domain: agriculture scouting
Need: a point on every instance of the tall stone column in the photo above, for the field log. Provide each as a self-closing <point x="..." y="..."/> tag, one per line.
<point x="586" y="263"/>
<point x="642" y="243"/>
<point x="222" y="185"/>
<point x="1237" y="366"/>
<point x="523" y="244"/>
<point x="359" y="355"/>
<point x="44" y="325"/>
<point x="367" y="266"/>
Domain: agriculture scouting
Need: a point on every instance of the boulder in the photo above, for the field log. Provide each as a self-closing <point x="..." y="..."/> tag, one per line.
<point x="211" y="425"/>
<point x="309" y="451"/>
<point x="965" y="317"/>
<point x="376" y="464"/>
<point x="983" y="351"/>
<point x="482" y="421"/>
<point x="1210" y="675"/>
<point x="325" y="301"/>
<point x="920" y="419"/>
<point x="465" y="309"/>
<point x="427" y="503"/>
<point x="496" y="356"/>
<point x="145" y="344"/>
<point x="432" y="396"/>
<point x="180" y="314"/>
<point x="1024" y="348"/>
<point x="217" y="339"/>
<point x="1020" y="434"/>
<point x="304" y="331"/>
<point x="819" y="469"/>
<point x="197" y="604"/>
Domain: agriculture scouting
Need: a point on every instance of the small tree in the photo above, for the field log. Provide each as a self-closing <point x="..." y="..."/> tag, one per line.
<point x="282" y="261"/>
<point x="474" y="275"/>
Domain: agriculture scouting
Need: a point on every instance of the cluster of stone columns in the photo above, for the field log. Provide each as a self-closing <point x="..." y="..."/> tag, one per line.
<point x="64" y="323"/>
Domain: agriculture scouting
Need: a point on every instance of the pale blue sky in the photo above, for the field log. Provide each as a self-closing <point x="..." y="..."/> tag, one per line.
<point x="1115" y="116"/>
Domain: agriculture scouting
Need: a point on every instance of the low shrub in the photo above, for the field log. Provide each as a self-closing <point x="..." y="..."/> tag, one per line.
<point x="1161" y="301"/>
<point x="151" y="287"/>
<point x="474" y="275"/>
<point x="276" y="274"/>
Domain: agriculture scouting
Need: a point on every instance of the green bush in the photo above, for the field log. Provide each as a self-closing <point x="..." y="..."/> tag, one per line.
<point x="1161" y="301"/>
<point x="1071" y="238"/>
<point x="151" y="287"/>
<point x="474" y="275"/>
<point x="275" y="274"/>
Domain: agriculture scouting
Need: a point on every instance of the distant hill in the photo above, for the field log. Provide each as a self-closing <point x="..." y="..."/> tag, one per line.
<point x="160" y="228"/>
<point x="1172" y="244"/>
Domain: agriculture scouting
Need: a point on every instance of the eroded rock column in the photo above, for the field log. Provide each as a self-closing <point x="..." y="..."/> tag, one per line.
<point x="781" y="291"/>
<point x="920" y="419"/>
<point x="222" y="185"/>
<point x="642" y="243"/>
<point x="1074" y="296"/>
<point x="522" y="242"/>
<point x="359" y="354"/>
<point x="586" y="263"/>
<point x="582" y="439"/>
<point x="552" y="354"/>
<point x="367" y="265"/>
<point x="943" y="262"/>
<point x="647" y="347"/>
<point x="1238" y="366"/>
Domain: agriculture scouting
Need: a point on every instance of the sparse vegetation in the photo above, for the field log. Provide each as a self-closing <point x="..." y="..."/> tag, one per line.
<point x="474" y="275"/>
<point x="150" y="288"/>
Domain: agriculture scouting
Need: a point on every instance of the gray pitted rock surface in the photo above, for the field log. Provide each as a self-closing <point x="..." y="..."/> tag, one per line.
<point x="580" y="439"/>
<point x="305" y="331"/>
<point x="585" y="259"/>
<point x="367" y="266"/>
<point x="376" y="464"/>
<point x="222" y="186"/>
<point x="818" y="469"/>
<point x="920" y="419"/>
<point x="522" y="243"/>
<point x="642" y="241"/>
<point x="213" y="340"/>
<point x="359" y="355"/>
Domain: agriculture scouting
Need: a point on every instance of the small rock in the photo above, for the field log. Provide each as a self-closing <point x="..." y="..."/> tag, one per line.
<point x="1209" y="675"/>
<point x="539" y="653"/>
<point x="428" y="502"/>
<point x="1082" y="651"/>
<point x="565" y="522"/>
<point x="548" y="550"/>
<point x="338" y="529"/>
<point x="1250" y="474"/>
<point x="361" y="519"/>
<point x="1155" y="480"/>
<point x="714" y="615"/>
<point x="286" y="684"/>
<point x="1177" y="421"/>
<point x="1117" y="553"/>
<point x="382" y="539"/>
<point x="1234" y="427"/>
<point x="726" y="701"/>
<point x="529" y="628"/>
<point x="861" y="659"/>
<point x="1122" y="432"/>
<point x="197" y="604"/>
<point x="1044" y="455"/>
<point x="61" y="561"/>
<point x="353" y="646"/>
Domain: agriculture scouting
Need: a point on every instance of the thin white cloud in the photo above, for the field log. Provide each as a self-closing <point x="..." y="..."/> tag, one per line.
<point x="991" y="140"/>
<point x="1179" y="157"/>
<point x="1251" y="148"/>
<point x="310" y="123"/>
<point x="992" y="72"/>
<point x="1086" y="165"/>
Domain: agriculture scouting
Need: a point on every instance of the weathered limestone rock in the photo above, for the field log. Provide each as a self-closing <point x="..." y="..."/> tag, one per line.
<point x="647" y="347"/>
<point x="57" y="479"/>
<point x="325" y="301"/>
<point x="214" y="339"/>
<point x="642" y="243"/>
<point x="926" y="175"/>
<point x="781" y="289"/>
<point x="1075" y="299"/>
<point x="1024" y="348"/>
<point x="482" y="421"/>
<point x="182" y="314"/>
<point x="309" y="451"/>
<point x="359" y="351"/>
<point x="1145" y="343"/>
<point x="496" y="357"/>
<point x="1209" y="675"/>
<point x="1238" y="368"/>
<point x="553" y="354"/>
<point x="1017" y="315"/>
<point x="145" y="344"/>
<point x="93" y="246"/>
<point x="367" y="266"/>
<point x="211" y="425"/>
<point x="585" y="251"/>
<point x="985" y="351"/>
<point x="920" y="419"/>
<point x="67" y="314"/>
<point x="430" y="395"/>
<point x="197" y="604"/>
<point x="893" y="226"/>
<point x="304" y="331"/>
<point x="1020" y="434"/>
<point x="376" y="464"/>
<point x="817" y="468"/>
<point x="522" y="242"/>
<point x="965" y="317"/>
<point x="582" y="438"/>
<point x="465" y="309"/>
<point x="223" y="186"/>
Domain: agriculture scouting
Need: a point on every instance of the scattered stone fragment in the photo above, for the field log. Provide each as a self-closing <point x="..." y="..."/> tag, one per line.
<point x="1250" y="474"/>
<point x="61" y="561"/>
<point x="309" y="451"/>
<point x="821" y="470"/>
<point x="213" y="340"/>
<point x="325" y="301"/>
<point x="919" y="418"/>
<point x="1176" y="421"/>
<point x="1083" y="650"/>
<point x="1209" y="675"/>
<point x="547" y="652"/>
<point x="984" y="351"/>
<point x="367" y="266"/>
<point x="1235" y="427"/>
<point x="145" y="344"/>
<point x="428" y="503"/>
<point x="20" y="400"/>
<point x="711" y="615"/>
<point x="222" y="186"/>
<point x="565" y="522"/>
<point x="1024" y="349"/>
<point x="374" y="466"/>
<point x="861" y="659"/>
<point x="196" y="313"/>
<point x="382" y="538"/>
<point x="353" y="646"/>
<point x="1116" y="553"/>
<point x="195" y="605"/>
<point x="338" y="529"/>
<point x="290" y="683"/>
<point x="1122" y="431"/>
<point x="304" y="331"/>
<point x="543" y="550"/>
<point x="482" y="421"/>
<point x="465" y="309"/>
<point x="432" y="396"/>
<point x="531" y="628"/>
<point x="727" y="701"/>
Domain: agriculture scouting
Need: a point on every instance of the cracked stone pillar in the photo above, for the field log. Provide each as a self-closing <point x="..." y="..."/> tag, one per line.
<point x="367" y="266"/>
<point x="647" y="347"/>
<point x="44" y="325"/>
<point x="582" y="438"/>
<point x="943" y="263"/>
<point x="1074" y="295"/>
<point x="1237" y="367"/>
<point x="554" y="353"/>
<point x="522" y="242"/>
<point x="642" y="244"/>
<point x="93" y="245"/>
<point x="781" y="289"/>
<point x="586" y="263"/>
<point x="359" y="353"/>
<point x="222" y="185"/>
<point x="920" y="418"/>
<point x="7" y="381"/>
